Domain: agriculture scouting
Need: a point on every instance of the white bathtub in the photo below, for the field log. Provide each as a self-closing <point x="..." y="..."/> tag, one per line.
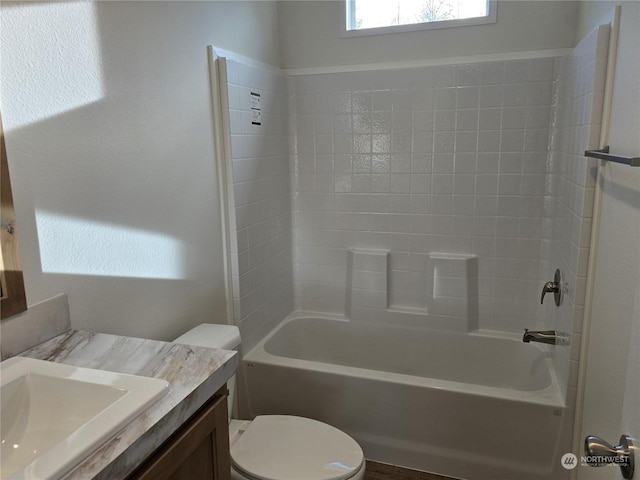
<point x="458" y="404"/>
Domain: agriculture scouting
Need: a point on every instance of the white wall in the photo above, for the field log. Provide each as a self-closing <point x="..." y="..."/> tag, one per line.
<point x="311" y="29"/>
<point x="618" y="261"/>
<point x="107" y="113"/>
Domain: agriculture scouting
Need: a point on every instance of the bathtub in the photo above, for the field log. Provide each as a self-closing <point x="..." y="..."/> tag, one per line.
<point x="464" y="405"/>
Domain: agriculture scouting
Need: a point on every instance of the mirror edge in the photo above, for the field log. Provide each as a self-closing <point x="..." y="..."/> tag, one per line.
<point x="14" y="299"/>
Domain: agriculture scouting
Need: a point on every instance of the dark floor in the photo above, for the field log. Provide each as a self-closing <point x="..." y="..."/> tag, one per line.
<point x="381" y="471"/>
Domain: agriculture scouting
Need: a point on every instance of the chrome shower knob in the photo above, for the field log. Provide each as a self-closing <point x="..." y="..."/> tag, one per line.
<point x="554" y="287"/>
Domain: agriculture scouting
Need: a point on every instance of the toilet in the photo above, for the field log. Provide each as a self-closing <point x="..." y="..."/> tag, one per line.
<point x="280" y="447"/>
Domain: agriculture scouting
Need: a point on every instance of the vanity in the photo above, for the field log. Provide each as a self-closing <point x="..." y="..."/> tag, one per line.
<point x="184" y="434"/>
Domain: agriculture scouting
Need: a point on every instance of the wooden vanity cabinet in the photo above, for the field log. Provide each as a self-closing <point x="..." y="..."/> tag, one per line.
<point x="199" y="450"/>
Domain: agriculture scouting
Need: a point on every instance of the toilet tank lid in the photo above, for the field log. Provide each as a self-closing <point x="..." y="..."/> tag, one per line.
<point x="212" y="335"/>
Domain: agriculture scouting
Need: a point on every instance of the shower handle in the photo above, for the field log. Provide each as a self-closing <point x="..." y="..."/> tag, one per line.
<point x="554" y="287"/>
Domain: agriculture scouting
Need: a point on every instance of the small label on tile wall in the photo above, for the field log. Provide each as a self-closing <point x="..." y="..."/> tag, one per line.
<point x="256" y="117"/>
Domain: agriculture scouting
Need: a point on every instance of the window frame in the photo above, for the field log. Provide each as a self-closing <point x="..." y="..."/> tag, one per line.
<point x="349" y="5"/>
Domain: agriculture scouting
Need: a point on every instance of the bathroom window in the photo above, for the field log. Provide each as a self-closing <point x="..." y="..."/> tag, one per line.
<point x="373" y="17"/>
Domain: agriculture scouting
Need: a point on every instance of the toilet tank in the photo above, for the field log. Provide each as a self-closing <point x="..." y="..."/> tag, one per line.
<point x="226" y="337"/>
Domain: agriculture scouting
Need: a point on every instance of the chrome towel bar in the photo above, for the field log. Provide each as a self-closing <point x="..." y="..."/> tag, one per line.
<point x="604" y="154"/>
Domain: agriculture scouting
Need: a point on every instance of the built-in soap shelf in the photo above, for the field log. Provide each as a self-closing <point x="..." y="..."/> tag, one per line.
<point x="367" y="279"/>
<point x="451" y="287"/>
<point x="603" y="154"/>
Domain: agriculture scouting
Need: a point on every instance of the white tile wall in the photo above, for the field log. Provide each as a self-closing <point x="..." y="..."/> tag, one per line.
<point x="571" y="188"/>
<point x="260" y="197"/>
<point x="447" y="159"/>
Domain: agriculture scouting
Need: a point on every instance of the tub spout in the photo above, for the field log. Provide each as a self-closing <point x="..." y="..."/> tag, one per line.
<point x="543" y="336"/>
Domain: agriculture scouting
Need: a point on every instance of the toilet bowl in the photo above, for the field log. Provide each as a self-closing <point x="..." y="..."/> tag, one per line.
<point x="280" y="447"/>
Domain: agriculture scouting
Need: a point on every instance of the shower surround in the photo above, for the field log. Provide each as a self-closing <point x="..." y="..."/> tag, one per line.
<point x="438" y="197"/>
<point x="440" y="160"/>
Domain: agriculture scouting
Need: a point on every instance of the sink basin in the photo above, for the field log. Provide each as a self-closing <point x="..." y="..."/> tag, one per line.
<point x="54" y="415"/>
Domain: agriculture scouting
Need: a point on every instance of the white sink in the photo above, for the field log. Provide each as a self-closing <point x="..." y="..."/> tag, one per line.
<point x="54" y="415"/>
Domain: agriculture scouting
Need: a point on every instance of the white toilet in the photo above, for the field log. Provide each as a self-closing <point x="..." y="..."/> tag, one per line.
<point x="280" y="447"/>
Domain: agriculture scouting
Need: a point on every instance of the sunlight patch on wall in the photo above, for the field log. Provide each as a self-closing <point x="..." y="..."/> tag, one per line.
<point x="50" y="60"/>
<point x="86" y="247"/>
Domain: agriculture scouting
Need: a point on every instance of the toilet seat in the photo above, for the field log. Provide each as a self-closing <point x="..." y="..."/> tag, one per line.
<point x="283" y="447"/>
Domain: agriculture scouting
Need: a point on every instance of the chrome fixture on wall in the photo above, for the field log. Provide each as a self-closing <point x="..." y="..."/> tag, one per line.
<point x="555" y="287"/>
<point x="603" y="154"/>
<point x="599" y="453"/>
<point x="550" y="337"/>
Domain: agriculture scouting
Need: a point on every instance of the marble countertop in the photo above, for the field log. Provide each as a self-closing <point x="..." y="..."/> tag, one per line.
<point x="194" y="375"/>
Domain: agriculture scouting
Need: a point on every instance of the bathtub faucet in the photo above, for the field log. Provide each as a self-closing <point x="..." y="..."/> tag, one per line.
<point x="544" y="336"/>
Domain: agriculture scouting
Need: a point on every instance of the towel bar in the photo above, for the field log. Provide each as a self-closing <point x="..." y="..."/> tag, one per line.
<point x="604" y="154"/>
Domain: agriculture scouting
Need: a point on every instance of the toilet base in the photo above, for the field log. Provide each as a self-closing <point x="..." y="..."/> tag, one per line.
<point x="358" y="476"/>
